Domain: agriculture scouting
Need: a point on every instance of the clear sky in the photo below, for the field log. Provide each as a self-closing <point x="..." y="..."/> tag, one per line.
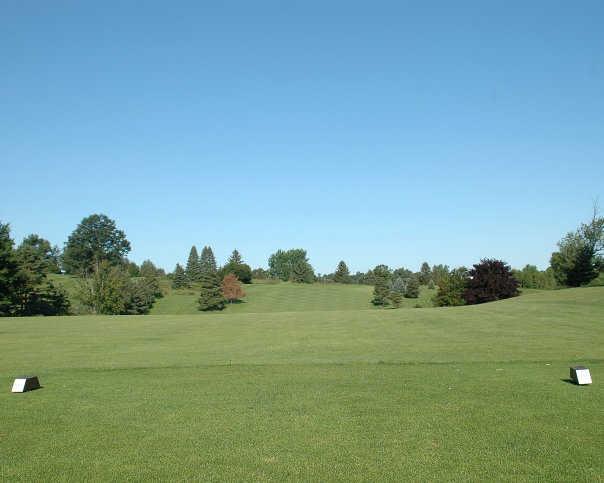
<point x="368" y="131"/>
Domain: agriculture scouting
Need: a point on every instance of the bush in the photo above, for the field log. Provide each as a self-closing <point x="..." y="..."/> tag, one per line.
<point x="451" y="288"/>
<point x="490" y="280"/>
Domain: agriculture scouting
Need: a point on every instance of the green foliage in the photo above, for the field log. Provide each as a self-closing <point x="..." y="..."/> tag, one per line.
<point x="260" y="274"/>
<point x="412" y="288"/>
<point x="109" y="290"/>
<point x="39" y="255"/>
<point x="96" y="239"/>
<point x="210" y="296"/>
<point x="236" y="266"/>
<point x="531" y="277"/>
<point x="396" y="299"/>
<point x="425" y="274"/>
<point x="24" y="289"/>
<point x="381" y="292"/>
<point x="149" y="270"/>
<point x="451" y="288"/>
<point x="132" y="268"/>
<point x="104" y="291"/>
<point x="302" y="272"/>
<point x="193" y="269"/>
<point x="180" y="279"/>
<point x="342" y="274"/>
<point x="9" y="271"/>
<point x="439" y="272"/>
<point x="207" y="261"/>
<point x="283" y="263"/>
<point x="579" y="258"/>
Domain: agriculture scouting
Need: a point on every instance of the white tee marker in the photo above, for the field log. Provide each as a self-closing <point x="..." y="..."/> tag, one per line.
<point x="580" y="375"/>
<point x="26" y="383"/>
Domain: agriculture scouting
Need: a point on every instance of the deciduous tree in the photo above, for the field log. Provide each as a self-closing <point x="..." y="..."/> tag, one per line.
<point x="95" y="239"/>
<point x="231" y="288"/>
<point x="488" y="281"/>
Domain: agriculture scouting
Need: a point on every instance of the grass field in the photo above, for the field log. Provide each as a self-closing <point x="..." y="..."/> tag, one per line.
<point x="287" y="297"/>
<point x="469" y="393"/>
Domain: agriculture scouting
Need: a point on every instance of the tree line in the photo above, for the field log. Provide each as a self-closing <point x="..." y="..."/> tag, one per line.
<point x="108" y="283"/>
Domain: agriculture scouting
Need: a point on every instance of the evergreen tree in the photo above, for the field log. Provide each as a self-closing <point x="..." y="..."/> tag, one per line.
<point x="342" y="274"/>
<point x="302" y="272"/>
<point x="412" y="288"/>
<point x="381" y="280"/>
<point x="8" y="271"/>
<point x="396" y="299"/>
<point x="381" y="293"/>
<point x="180" y="279"/>
<point x="235" y="258"/>
<point x="425" y="274"/>
<point x="451" y="288"/>
<point x="236" y="266"/>
<point x="207" y="261"/>
<point x="210" y="297"/>
<point x="36" y="251"/>
<point x="148" y="269"/>
<point x="193" y="269"/>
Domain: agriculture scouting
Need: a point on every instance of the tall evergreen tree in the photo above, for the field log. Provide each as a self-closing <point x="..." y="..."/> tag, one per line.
<point x="425" y="274"/>
<point x="235" y="258"/>
<point x="207" y="261"/>
<point x="412" y="288"/>
<point x="8" y="271"/>
<point x="302" y="272"/>
<point x="381" y="278"/>
<point x="193" y="269"/>
<point x="210" y="296"/>
<point x="236" y="266"/>
<point x="180" y="279"/>
<point x="342" y="274"/>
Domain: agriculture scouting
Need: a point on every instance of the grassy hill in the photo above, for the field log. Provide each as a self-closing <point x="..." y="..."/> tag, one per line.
<point x="461" y="393"/>
<point x="286" y="297"/>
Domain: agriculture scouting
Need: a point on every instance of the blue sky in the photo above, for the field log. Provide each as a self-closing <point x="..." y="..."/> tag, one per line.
<point x="372" y="132"/>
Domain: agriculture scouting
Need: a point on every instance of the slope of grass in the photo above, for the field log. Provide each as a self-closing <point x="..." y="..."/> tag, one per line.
<point x="461" y="393"/>
<point x="287" y="297"/>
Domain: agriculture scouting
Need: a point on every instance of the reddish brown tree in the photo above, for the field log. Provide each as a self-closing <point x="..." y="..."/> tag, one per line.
<point x="231" y="288"/>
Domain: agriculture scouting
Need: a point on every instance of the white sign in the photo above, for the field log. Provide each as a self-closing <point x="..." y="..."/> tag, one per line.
<point x="583" y="376"/>
<point x="19" y="385"/>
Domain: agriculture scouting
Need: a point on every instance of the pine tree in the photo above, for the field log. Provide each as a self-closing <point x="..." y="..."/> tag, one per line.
<point x="180" y="277"/>
<point x="236" y="266"/>
<point x="210" y="297"/>
<point x="207" y="261"/>
<point x="425" y="274"/>
<point x="412" y="288"/>
<point x="8" y="271"/>
<point x="193" y="270"/>
<point x="380" y="292"/>
<point x="342" y="274"/>
<point x="396" y="299"/>
<point x="235" y="258"/>
<point x="302" y="272"/>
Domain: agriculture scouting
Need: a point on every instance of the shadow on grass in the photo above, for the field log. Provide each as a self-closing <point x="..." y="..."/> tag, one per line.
<point x="570" y="381"/>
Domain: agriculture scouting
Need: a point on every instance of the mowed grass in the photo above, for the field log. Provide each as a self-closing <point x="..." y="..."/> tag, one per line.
<point x="470" y="393"/>
<point x="286" y="297"/>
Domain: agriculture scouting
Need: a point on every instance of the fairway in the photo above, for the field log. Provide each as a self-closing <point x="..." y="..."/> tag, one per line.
<point x="467" y="393"/>
<point x="287" y="297"/>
